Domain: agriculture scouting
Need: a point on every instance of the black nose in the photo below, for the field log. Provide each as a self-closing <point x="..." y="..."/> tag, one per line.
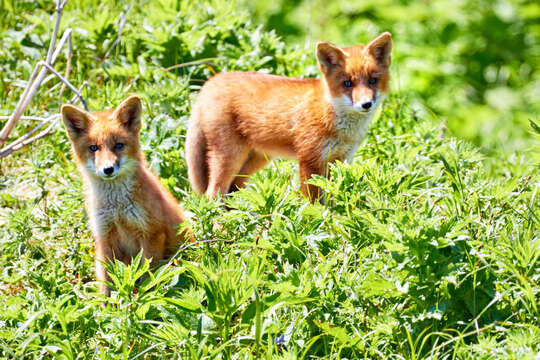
<point x="366" y="105"/>
<point x="109" y="170"/>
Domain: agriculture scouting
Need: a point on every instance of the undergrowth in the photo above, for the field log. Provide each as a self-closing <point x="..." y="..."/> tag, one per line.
<point x="425" y="248"/>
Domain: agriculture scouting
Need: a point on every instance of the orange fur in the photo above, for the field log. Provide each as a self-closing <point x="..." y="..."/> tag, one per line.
<point x="128" y="207"/>
<point x="242" y="120"/>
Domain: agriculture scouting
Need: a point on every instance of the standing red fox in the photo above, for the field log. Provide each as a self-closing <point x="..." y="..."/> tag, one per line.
<point x="241" y="120"/>
<point x="128" y="207"/>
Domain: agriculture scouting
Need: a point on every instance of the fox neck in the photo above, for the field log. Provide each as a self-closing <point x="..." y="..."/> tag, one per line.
<point x="349" y="119"/>
<point x="350" y="125"/>
<point x="108" y="191"/>
<point x="110" y="201"/>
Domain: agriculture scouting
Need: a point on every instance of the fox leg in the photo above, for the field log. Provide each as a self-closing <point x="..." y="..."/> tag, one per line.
<point x="104" y="254"/>
<point x="254" y="162"/>
<point x="307" y="169"/>
<point x="223" y="166"/>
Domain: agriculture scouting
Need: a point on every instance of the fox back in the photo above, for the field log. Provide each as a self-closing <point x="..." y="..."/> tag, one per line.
<point x="129" y="209"/>
<point x="242" y="120"/>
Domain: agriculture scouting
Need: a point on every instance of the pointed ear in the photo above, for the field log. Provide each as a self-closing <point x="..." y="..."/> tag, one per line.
<point x="129" y="113"/>
<point x="329" y="56"/>
<point x="381" y="48"/>
<point x="75" y="120"/>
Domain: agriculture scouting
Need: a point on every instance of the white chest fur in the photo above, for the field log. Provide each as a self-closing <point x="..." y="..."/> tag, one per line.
<point x="351" y="127"/>
<point x="110" y="203"/>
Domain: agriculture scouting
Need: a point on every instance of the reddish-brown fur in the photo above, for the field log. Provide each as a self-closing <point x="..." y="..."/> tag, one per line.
<point x="129" y="210"/>
<point x="241" y="120"/>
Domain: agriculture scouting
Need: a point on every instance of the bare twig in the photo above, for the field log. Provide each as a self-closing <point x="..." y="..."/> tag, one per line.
<point x="76" y="96"/>
<point x="53" y="88"/>
<point x="35" y="81"/>
<point x="22" y="144"/>
<point x="44" y="121"/>
<point x="189" y="63"/>
<point x="59" y="9"/>
<point x="120" y="28"/>
<point x="22" y="104"/>
<point x="36" y="118"/>
<point x="65" y="81"/>
<point x="69" y="53"/>
<point x="26" y="139"/>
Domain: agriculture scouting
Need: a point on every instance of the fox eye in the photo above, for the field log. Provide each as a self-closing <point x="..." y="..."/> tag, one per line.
<point x="118" y="146"/>
<point x="348" y="83"/>
<point x="372" y="81"/>
<point x="94" y="148"/>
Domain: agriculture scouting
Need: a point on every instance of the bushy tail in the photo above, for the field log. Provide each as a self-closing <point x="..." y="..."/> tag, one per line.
<point x="196" y="157"/>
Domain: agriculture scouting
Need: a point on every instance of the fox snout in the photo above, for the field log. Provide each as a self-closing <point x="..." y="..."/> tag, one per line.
<point x="364" y="99"/>
<point x="106" y="164"/>
<point x="108" y="172"/>
<point x="364" y="105"/>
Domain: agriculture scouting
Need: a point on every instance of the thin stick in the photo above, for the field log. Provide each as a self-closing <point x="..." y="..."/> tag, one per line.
<point x="65" y="37"/>
<point x="28" y="141"/>
<point x="69" y="53"/>
<point x="28" y="134"/>
<point x="59" y="9"/>
<point x="65" y="81"/>
<point x="33" y="84"/>
<point x="21" y="106"/>
<point x="189" y="63"/>
<point x="25" y="140"/>
<point x="120" y="28"/>
<point x="53" y="88"/>
<point x="35" y="118"/>
<point x="43" y="122"/>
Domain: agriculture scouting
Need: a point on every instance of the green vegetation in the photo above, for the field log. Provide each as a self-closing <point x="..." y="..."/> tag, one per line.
<point x="428" y="248"/>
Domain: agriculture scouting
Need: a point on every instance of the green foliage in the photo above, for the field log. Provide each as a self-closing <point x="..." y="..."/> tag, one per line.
<point x="425" y="248"/>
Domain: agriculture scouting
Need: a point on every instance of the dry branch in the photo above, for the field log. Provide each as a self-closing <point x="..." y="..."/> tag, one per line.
<point x="123" y="18"/>
<point x="190" y="63"/>
<point x="65" y="81"/>
<point x="69" y="53"/>
<point x="38" y="74"/>
<point x="27" y="139"/>
<point x="44" y="121"/>
<point x="35" y="81"/>
<point x="36" y="118"/>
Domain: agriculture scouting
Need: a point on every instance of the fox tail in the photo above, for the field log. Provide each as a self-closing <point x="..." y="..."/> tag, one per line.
<point x="196" y="157"/>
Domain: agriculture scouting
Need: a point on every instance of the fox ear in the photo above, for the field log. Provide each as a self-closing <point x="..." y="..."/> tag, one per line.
<point x="329" y="56"/>
<point x="381" y="48"/>
<point x="75" y="120"/>
<point x="129" y="113"/>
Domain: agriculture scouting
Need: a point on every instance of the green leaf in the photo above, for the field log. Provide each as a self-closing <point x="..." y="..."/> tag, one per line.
<point x="534" y="126"/>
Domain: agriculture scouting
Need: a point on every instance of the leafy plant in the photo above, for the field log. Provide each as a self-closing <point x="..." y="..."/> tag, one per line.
<point x="424" y="248"/>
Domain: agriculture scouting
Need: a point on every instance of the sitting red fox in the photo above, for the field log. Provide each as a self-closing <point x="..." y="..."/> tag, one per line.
<point x="128" y="207"/>
<point x="241" y="120"/>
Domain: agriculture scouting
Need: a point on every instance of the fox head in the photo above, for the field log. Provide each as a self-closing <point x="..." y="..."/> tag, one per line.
<point x="357" y="75"/>
<point x="106" y="143"/>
